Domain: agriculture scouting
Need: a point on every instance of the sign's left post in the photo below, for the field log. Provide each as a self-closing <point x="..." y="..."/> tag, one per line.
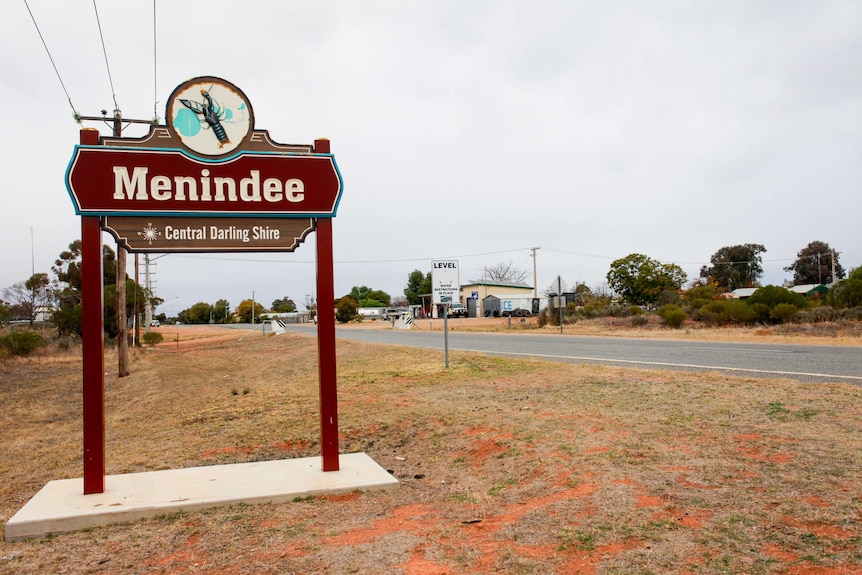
<point x="92" y="306"/>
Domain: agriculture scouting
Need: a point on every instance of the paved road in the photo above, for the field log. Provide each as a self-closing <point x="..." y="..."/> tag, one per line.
<point x="802" y="362"/>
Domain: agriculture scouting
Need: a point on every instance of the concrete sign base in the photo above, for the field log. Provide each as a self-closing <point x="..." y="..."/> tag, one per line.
<point x="61" y="507"/>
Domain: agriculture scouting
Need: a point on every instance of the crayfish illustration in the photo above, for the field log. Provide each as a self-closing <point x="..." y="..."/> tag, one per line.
<point x="212" y="113"/>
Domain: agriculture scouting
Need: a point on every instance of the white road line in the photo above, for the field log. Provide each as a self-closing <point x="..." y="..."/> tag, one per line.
<point x="746" y="349"/>
<point x="660" y="364"/>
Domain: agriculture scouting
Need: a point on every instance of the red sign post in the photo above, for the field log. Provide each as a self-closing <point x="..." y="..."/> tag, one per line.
<point x="208" y="161"/>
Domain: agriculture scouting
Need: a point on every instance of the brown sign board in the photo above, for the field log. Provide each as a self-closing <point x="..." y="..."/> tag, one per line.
<point x="106" y="180"/>
<point x="143" y="234"/>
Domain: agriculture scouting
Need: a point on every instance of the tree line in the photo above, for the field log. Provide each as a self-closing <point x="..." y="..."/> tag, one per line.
<point x="635" y="279"/>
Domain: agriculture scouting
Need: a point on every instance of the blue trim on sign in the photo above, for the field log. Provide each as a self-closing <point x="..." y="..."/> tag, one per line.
<point x="69" y="184"/>
<point x="195" y="158"/>
<point x="340" y="183"/>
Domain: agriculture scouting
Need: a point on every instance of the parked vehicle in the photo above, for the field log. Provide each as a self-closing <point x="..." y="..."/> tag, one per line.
<point x="393" y="313"/>
<point x="457" y="310"/>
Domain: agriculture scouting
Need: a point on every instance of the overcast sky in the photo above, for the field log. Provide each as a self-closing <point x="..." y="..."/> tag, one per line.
<point x="469" y="130"/>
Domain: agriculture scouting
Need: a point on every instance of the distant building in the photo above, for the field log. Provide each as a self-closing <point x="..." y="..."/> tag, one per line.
<point x="485" y="288"/>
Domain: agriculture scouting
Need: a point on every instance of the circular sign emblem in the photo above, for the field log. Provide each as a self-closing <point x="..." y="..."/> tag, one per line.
<point x="209" y="116"/>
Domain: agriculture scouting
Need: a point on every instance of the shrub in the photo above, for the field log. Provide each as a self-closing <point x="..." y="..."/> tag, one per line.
<point x="669" y="297"/>
<point x="761" y="312"/>
<point x="819" y="314"/>
<point x="697" y="297"/>
<point x="639" y="320"/>
<point x="617" y="310"/>
<point x="783" y="312"/>
<point x="771" y="296"/>
<point x="542" y="320"/>
<point x="740" y="312"/>
<point x="346" y="309"/>
<point x="152" y="338"/>
<point x="847" y="293"/>
<point x="672" y="315"/>
<point x="22" y="342"/>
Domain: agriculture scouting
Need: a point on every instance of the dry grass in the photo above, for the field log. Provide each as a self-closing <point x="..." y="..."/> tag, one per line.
<point x="507" y="466"/>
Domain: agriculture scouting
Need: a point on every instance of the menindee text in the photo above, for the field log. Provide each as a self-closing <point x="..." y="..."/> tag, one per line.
<point x="140" y="186"/>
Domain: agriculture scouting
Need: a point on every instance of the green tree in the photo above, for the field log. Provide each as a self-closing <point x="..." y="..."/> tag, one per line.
<point x="417" y="285"/>
<point x="67" y="286"/>
<point x="135" y="297"/>
<point x="367" y="297"/>
<point x="5" y="313"/>
<point x="582" y="292"/>
<point x="735" y="267"/>
<point x="848" y="292"/>
<point x="198" y="313"/>
<point x="813" y="264"/>
<point x="283" y="305"/>
<point x="29" y="296"/>
<point x="640" y="280"/>
<point x="220" y="311"/>
<point x="246" y="308"/>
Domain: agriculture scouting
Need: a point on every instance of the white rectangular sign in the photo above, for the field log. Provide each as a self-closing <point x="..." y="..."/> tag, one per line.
<point x="445" y="286"/>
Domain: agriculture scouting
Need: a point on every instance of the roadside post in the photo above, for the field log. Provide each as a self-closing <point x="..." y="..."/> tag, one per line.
<point x="445" y="288"/>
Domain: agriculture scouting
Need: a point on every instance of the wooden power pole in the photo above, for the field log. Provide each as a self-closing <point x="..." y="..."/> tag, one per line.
<point x="122" y="320"/>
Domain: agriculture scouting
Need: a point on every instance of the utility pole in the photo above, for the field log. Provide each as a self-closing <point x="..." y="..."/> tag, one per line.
<point x="148" y="287"/>
<point x="122" y="328"/>
<point x="136" y="338"/>
<point x="834" y="275"/>
<point x="32" y="252"/>
<point x="535" y="283"/>
<point x="122" y="325"/>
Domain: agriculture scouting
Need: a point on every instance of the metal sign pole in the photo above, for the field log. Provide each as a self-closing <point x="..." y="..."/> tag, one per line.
<point x="446" y="333"/>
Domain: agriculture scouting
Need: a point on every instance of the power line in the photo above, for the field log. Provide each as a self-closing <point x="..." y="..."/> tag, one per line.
<point x="57" y="72"/>
<point x="391" y="261"/>
<point x="155" y="71"/>
<point x="105" y="52"/>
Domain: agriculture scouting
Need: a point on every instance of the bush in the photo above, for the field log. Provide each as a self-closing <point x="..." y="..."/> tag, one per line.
<point x="847" y="293"/>
<point x="672" y="315"/>
<point x="639" y="320"/>
<point x="771" y="296"/>
<point x="152" y="338"/>
<point x="22" y="342"/>
<point x="346" y="310"/>
<point x="783" y="312"/>
<point x="819" y="314"/>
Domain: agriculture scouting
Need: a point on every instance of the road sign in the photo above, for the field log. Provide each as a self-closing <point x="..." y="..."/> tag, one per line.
<point x="445" y="285"/>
